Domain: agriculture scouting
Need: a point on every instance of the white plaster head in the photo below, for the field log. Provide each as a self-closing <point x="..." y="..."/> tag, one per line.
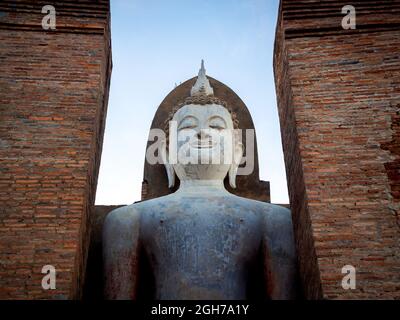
<point x="202" y="142"/>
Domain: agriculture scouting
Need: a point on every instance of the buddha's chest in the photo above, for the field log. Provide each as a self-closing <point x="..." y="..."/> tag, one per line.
<point x="189" y="238"/>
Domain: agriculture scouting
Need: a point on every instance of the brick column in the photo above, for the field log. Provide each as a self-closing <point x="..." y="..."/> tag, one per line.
<point x="53" y="101"/>
<point x="339" y="101"/>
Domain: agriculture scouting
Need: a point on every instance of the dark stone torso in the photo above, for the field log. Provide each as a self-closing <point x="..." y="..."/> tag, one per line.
<point x="202" y="247"/>
<point x="209" y="245"/>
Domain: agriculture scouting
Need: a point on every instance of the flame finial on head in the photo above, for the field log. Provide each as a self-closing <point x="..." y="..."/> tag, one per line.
<point x="202" y="85"/>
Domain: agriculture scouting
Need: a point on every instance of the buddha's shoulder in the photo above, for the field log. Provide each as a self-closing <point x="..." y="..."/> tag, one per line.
<point x="135" y="210"/>
<point x="124" y="215"/>
<point x="273" y="214"/>
<point x="260" y="205"/>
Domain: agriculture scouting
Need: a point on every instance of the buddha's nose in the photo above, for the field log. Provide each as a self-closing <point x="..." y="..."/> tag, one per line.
<point x="202" y="135"/>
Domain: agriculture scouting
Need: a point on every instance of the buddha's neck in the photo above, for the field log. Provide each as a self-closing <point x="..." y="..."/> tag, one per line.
<point x="202" y="187"/>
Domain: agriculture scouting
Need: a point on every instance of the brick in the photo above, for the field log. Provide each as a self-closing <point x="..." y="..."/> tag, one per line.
<point x="338" y="95"/>
<point x="53" y="103"/>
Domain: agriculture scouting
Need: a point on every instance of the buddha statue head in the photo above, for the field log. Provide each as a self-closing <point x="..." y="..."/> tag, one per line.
<point x="202" y="142"/>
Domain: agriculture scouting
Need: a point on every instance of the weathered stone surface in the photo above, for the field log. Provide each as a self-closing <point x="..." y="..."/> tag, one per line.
<point x="338" y="98"/>
<point x="53" y="102"/>
<point x="94" y="280"/>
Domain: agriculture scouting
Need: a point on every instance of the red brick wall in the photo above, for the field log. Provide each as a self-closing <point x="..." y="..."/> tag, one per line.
<point x="338" y="99"/>
<point x="53" y="101"/>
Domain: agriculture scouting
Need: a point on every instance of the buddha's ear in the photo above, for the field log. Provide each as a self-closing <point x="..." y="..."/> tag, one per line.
<point x="168" y="167"/>
<point x="237" y="157"/>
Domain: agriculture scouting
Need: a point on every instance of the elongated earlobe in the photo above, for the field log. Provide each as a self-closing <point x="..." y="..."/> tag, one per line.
<point x="237" y="156"/>
<point x="168" y="167"/>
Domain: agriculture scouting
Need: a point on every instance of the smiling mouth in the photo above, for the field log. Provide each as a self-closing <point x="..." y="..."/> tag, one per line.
<point x="202" y="145"/>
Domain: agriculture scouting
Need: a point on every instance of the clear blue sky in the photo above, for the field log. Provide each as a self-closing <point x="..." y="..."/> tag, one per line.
<point x="157" y="43"/>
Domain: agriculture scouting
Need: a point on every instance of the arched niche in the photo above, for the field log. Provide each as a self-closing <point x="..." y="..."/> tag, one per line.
<point x="155" y="182"/>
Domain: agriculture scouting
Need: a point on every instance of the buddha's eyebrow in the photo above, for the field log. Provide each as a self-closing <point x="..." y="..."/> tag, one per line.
<point x="217" y="118"/>
<point x="187" y="118"/>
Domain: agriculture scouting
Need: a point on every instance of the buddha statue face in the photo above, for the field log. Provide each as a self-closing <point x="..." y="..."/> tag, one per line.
<point x="204" y="142"/>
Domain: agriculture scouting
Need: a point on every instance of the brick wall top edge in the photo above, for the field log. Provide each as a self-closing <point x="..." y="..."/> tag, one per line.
<point x="312" y="20"/>
<point x="368" y="12"/>
<point x="72" y="19"/>
<point x="290" y="5"/>
<point x="86" y="5"/>
<point x="76" y="9"/>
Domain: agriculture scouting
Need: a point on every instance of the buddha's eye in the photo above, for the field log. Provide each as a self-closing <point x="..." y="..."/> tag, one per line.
<point x="188" y="123"/>
<point x="217" y="123"/>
